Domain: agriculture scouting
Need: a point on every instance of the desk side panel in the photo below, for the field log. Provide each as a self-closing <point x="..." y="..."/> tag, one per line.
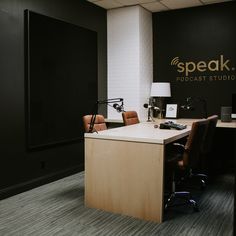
<point x="124" y="177"/>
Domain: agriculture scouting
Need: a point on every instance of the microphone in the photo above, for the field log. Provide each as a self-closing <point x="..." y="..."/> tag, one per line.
<point x="187" y="107"/>
<point x="119" y="108"/>
<point x="149" y="106"/>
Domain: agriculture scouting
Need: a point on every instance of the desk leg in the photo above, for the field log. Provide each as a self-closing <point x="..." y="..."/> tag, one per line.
<point x="124" y="177"/>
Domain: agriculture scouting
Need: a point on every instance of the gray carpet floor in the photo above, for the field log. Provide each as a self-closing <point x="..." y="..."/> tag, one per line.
<point x="58" y="209"/>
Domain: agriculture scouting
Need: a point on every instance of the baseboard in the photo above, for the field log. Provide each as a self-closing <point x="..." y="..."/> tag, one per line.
<point x="22" y="187"/>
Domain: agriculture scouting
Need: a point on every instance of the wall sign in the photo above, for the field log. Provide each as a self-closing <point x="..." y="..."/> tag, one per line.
<point x="194" y="49"/>
<point x="198" y="71"/>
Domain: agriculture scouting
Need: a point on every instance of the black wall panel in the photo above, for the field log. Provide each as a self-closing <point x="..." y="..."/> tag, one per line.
<point x="61" y="78"/>
<point x="19" y="165"/>
<point x="201" y="39"/>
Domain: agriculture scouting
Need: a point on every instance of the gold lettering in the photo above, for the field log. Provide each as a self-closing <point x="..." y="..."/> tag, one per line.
<point x="223" y="64"/>
<point x="214" y="63"/>
<point x="180" y="65"/>
<point x="192" y="67"/>
<point x="194" y="78"/>
<point x="201" y="66"/>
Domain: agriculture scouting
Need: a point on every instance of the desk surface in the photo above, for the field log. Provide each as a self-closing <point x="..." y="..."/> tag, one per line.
<point x="220" y="124"/>
<point x="142" y="132"/>
<point x="231" y="124"/>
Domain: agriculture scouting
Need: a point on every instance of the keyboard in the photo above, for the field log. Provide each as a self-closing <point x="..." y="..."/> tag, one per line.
<point x="172" y="125"/>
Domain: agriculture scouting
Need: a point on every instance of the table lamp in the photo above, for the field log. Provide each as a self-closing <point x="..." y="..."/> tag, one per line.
<point x="160" y="90"/>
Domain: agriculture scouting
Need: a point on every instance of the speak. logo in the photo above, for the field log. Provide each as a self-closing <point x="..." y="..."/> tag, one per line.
<point x="201" y="66"/>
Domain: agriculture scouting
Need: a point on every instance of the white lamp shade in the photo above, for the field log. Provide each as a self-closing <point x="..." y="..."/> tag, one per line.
<point x="160" y="89"/>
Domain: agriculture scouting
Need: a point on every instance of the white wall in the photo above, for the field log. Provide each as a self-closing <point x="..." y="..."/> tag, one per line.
<point x="130" y="66"/>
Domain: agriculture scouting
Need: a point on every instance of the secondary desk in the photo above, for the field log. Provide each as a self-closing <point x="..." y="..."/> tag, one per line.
<point x="124" y="168"/>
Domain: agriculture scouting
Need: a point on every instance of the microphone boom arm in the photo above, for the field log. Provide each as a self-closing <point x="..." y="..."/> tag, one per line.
<point x="95" y="110"/>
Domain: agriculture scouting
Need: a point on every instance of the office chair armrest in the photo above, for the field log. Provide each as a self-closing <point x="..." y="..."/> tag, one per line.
<point x="174" y="152"/>
<point x="179" y="145"/>
<point x="180" y="148"/>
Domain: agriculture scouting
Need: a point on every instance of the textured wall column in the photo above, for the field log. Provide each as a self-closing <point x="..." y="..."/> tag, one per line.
<point x="130" y="65"/>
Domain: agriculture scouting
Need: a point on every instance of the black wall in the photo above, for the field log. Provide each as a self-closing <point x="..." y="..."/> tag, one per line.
<point x="21" y="168"/>
<point x="192" y="35"/>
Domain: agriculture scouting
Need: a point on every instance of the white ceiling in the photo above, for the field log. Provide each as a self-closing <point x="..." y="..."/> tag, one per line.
<point x="154" y="5"/>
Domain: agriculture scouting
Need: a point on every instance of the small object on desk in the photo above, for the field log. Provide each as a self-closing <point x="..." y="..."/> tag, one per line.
<point x="171" y="110"/>
<point x="164" y="126"/>
<point x="226" y="114"/>
<point x="155" y="126"/>
<point x="172" y="125"/>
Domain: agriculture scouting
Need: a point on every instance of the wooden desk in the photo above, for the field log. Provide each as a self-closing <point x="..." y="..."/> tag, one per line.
<point x="231" y="125"/>
<point x="124" y="169"/>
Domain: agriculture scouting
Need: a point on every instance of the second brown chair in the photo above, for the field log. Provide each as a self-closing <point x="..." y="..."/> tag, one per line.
<point x="99" y="123"/>
<point x="130" y="117"/>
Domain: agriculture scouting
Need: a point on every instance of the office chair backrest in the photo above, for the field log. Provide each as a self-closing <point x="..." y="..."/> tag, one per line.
<point x="193" y="146"/>
<point x="99" y="123"/>
<point x="130" y="117"/>
<point x="210" y="134"/>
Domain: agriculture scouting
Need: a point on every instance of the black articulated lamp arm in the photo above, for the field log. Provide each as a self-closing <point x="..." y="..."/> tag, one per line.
<point x="110" y="100"/>
<point x="115" y="101"/>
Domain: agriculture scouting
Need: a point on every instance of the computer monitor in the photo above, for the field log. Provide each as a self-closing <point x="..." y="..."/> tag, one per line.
<point x="233" y="106"/>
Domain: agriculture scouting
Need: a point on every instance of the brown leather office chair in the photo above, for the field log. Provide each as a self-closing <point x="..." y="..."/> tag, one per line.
<point x="130" y="117"/>
<point x="200" y="170"/>
<point x="183" y="158"/>
<point x="99" y="123"/>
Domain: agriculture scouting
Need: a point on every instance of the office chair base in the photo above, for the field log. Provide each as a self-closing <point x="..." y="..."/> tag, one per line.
<point x="182" y="194"/>
<point x="203" y="179"/>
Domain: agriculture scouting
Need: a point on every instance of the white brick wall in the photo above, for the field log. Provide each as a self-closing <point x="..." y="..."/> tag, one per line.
<point x="145" y="59"/>
<point x="129" y="36"/>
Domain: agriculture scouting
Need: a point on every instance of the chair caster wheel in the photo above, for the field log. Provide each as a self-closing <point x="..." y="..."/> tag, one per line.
<point x="196" y="208"/>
